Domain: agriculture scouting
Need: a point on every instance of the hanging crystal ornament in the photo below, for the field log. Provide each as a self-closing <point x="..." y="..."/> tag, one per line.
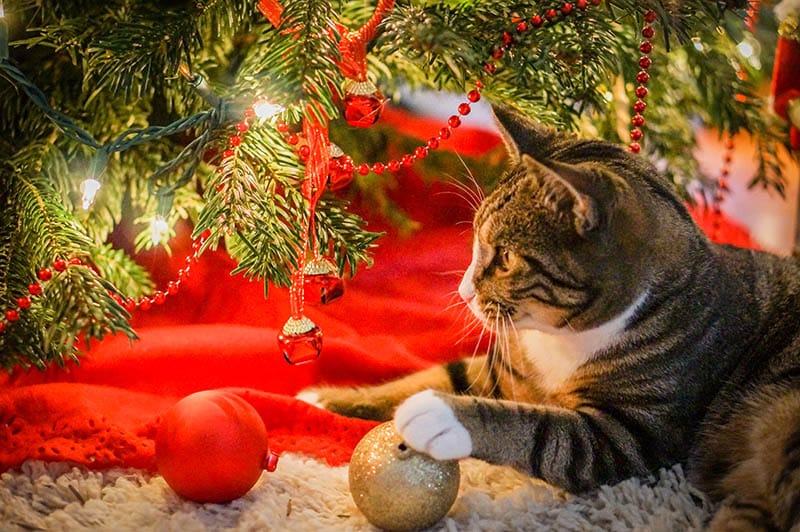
<point x="300" y="339"/>
<point x="341" y="168"/>
<point x="321" y="282"/>
<point x="363" y="103"/>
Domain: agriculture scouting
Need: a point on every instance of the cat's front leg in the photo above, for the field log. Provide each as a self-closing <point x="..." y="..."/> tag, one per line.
<point x="576" y="450"/>
<point x="380" y="401"/>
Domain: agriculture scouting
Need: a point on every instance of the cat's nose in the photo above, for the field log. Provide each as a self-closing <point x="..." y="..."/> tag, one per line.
<point x="466" y="289"/>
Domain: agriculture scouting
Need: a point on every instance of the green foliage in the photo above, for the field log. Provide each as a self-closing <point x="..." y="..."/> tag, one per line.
<point x="111" y="68"/>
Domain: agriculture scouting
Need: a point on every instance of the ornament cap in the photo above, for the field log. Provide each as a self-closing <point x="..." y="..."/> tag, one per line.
<point x="271" y="461"/>
<point x="360" y="88"/>
<point x="297" y="326"/>
<point x="319" y="266"/>
<point x="334" y="151"/>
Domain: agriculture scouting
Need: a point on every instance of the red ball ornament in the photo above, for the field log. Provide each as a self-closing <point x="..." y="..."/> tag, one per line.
<point x="363" y="103"/>
<point x="212" y="446"/>
<point x="24" y="302"/>
<point x="59" y="265"/>
<point x="45" y="274"/>
<point x="300" y="340"/>
<point x="12" y="315"/>
<point x="35" y="289"/>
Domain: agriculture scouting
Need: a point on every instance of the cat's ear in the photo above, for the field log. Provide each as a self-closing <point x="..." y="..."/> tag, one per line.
<point x="522" y="135"/>
<point x="569" y="189"/>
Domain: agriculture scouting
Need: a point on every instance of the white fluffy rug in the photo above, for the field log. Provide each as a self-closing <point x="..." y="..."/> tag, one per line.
<point x="306" y="495"/>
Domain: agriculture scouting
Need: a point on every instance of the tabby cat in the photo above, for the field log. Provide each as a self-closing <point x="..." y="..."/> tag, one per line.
<point x="631" y="342"/>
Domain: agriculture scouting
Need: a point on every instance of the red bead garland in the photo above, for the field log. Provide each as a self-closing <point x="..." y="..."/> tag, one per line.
<point x="130" y="304"/>
<point x="35" y="289"/>
<point x="645" y="62"/>
<point x="721" y="189"/>
<point x="160" y="297"/>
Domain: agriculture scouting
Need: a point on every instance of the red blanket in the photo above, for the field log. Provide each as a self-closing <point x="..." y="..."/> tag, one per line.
<point x="220" y="332"/>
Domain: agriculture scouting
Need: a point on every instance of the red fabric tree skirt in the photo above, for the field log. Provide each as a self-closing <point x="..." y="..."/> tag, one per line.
<point x="220" y="332"/>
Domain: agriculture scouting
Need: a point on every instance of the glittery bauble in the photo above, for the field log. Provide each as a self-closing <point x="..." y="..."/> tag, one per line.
<point x="397" y="488"/>
<point x="211" y="446"/>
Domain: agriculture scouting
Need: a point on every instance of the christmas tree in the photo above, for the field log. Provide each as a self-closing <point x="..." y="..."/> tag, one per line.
<point x="250" y="119"/>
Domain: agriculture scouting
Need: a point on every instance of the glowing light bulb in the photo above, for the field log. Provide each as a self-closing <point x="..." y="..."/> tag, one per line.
<point x="158" y="228"/>
<point x="89" y="190"/>
<point x="745" y="48"/>
<point x="698" y="44"/>
<point x="265" y="109"/>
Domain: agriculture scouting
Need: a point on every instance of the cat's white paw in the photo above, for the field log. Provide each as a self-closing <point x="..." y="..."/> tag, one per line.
<point x="311" y="397"/>
<point x="429" y="425"/>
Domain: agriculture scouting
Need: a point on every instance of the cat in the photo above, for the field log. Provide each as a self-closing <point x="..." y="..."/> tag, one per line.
<point x="632" y="342"/>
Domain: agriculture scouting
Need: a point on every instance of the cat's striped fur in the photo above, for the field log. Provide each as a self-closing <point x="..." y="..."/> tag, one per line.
<point x="632" y="341"/>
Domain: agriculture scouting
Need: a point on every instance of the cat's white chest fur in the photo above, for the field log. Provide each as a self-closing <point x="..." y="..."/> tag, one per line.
<point x="557" y="354"/>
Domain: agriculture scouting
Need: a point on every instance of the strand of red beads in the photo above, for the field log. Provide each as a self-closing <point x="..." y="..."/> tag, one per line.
<point x="645" y="62"/>
<point x="130" y="304"/>
<point x="35" y="289"/>
<point x="722" y="186"/>
<point x="721" y="189"/>
<point x="160" y="296"/>
<point x="343" y="165"/>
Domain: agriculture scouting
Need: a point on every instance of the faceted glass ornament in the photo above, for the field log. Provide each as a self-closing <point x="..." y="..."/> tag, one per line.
<point x="363" y="103"/>
<point x="340" y="172"/>
<point x="300" y="341"/>
<point x="321" y="283"/>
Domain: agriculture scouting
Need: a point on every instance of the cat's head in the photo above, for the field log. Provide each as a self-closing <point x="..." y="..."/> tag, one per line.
<point x="574" y="233"/>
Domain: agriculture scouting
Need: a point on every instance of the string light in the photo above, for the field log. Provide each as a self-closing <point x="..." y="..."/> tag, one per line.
<point x="92" y="184"/>
<point x="158" y="228"/>
<point x="89" y="190"/>
<point x="264" y="109"/>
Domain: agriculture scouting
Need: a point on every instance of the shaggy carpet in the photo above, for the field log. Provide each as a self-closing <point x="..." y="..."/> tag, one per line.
<point x="304" y="494"/>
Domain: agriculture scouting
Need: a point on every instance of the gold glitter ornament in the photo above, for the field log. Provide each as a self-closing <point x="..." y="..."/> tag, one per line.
<point x="397" y="488"/>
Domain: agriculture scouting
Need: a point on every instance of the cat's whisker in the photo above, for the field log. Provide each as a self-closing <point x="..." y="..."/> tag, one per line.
<point x="478" y="377"/>
<point x="459" y="273"/>
<point x="506" y="355"/>
<point x="469" y="328"/>
<point x="477" y="190"/>
<point x="463" y="193"/>
<point x="473" y="196"/>
<point x="495" y="352"/>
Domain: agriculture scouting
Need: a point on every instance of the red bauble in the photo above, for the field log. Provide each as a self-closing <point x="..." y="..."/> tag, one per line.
<point x="363" y="103"/>
<point x="212" y="446"/>
<point x="300" y="340"/>
<point x="321" y="282"/>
